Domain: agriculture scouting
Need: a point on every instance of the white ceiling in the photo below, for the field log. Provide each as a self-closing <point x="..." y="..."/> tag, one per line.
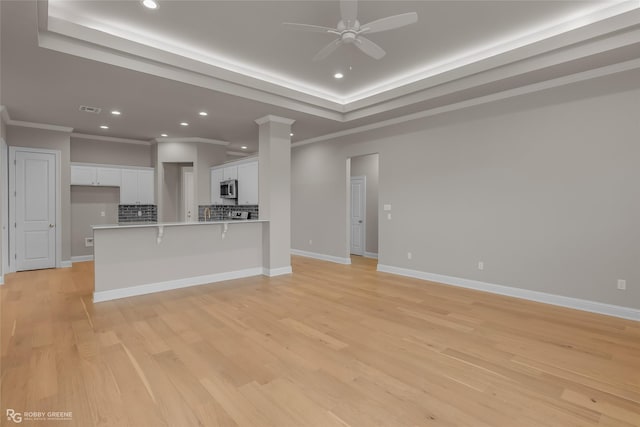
<point x="236" y="61"/>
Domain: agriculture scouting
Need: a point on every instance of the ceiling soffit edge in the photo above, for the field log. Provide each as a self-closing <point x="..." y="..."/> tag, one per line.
<point x="511" y="93"/>
<point x="600" y="36"/>
<point x="193" y="139"/>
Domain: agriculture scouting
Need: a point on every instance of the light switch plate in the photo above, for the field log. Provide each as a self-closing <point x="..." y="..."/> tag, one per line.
<point x="386" y="207"/>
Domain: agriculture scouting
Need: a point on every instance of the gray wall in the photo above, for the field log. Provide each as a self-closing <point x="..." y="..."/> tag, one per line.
<point x="542" y="188"/>
<point x="368" y="166"/>
<point x="110" y="153"/>
<point x="52" y="140"/>
<point x="87" y="204"/>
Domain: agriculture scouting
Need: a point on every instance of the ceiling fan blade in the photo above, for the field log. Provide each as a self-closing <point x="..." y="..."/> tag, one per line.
<point x="307" y="27"/>
<point x="327" y="50"/>
<point x="370" y="48"/>
<point x="390" y="22"/>
<point x="349" y="11"/>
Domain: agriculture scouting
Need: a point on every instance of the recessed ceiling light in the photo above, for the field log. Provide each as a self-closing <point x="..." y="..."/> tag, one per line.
<point x="150" y="4"/>
<point x="338" y="75"/>
<point x="203" y="113"/>
<point x="104" y="127"/>
<point x="184" y="124"/>
<point x="116" y="112"/>
<point x="244" y="147"/>
<point x="164" y="135"/>
<point x="291" y="134"/>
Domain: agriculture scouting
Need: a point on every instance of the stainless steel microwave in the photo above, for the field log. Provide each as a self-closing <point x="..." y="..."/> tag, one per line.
<point x="229" y="189"/>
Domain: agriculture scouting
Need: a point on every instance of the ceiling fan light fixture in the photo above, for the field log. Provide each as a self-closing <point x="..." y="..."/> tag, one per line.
<point x="150" y="4"/>
<point x="350" y="31"/>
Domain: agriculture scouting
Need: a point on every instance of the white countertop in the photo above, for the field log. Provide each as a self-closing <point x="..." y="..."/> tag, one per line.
<point x="173" y="224"/>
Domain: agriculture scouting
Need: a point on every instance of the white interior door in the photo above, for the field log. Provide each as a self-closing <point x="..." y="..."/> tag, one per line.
<point x="188" y="199"/>
<point x="35" y="210"/>
<point x="358" y="206"/>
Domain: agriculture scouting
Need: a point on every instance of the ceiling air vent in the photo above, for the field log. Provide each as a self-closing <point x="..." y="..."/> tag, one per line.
<point x="93" y="110"/>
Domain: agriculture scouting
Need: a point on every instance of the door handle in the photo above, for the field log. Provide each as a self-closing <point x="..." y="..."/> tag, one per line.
<point x="360" y="221"/>
<point x="51" y="225"/>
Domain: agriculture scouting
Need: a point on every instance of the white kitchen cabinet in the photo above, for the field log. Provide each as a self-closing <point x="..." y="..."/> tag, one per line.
<point x="146" y="189"/>
<point x="230" y="172"/>
<point x="95" y="175"/>
<point x="217" y="175"/>
<point x="110" y="177"/>
<point x="83" y="175"/>
<point x="137" y="187"/>
<point x="248" y="184"/>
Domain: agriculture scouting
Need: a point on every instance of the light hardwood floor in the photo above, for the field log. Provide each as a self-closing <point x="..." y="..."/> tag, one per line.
<point x="330" y="345"/>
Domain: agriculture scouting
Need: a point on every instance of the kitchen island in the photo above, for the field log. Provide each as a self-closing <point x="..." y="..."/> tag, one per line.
<point x="137" y="259"/>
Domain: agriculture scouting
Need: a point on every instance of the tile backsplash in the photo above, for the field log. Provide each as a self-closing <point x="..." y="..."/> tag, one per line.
<point x="220" y="212"/>
<point x="129" y="213"/>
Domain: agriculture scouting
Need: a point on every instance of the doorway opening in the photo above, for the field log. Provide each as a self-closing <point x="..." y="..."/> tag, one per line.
<point x="179" y="192"/>
<point x="363" y="205"/>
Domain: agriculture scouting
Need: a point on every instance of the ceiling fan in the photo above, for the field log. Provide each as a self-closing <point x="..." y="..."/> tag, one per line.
<point x="349" y="30"/>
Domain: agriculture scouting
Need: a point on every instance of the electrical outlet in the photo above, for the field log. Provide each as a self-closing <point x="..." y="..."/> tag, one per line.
<point x="310" y="242"/>
<point x="88" y="242"/>
<point x="480" y="265"/>
<point x="409" y="255"/>
<point x="139" y="213"/>
<point x="102" y="213"/>
<point x="622" y="284"/>
<point x="388" y="216"/>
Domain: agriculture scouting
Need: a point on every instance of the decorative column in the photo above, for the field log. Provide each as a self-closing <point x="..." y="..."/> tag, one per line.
<point x="274" y="146"/>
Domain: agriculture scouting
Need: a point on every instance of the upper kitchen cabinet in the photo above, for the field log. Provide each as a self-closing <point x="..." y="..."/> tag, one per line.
<point x="137" y="187"/>
<point x="95" y="175"/>
<point x="217" y="175"/>
<point x="229" y="172"/>
<point x="248" y="184"/>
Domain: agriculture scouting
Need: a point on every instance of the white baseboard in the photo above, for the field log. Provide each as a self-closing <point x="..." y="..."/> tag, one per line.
<point x="81" y="258"/>
<point x="321" y="256"/>
<point x="371" y="255"/>
<point x="173" y="284"/>
<point x="563" y="301"/>
<point x="276" y="271"/>
<point x="65" y="264"/>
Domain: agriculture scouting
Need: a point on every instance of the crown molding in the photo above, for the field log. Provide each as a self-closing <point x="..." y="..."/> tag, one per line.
<point x="536" y="87"/>
<point x="4" y="114"/>
<point x="274" y="119"/>
<point x="194" y="139"/>
<point x="104" y="138"/>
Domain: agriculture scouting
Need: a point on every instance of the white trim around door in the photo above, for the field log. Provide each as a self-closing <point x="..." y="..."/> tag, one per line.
<point x="4" y="207"/>
<point x="12" y="255"/>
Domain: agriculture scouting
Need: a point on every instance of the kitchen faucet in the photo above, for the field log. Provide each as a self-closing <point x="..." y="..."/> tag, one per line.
<point x="207" y="214"/>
